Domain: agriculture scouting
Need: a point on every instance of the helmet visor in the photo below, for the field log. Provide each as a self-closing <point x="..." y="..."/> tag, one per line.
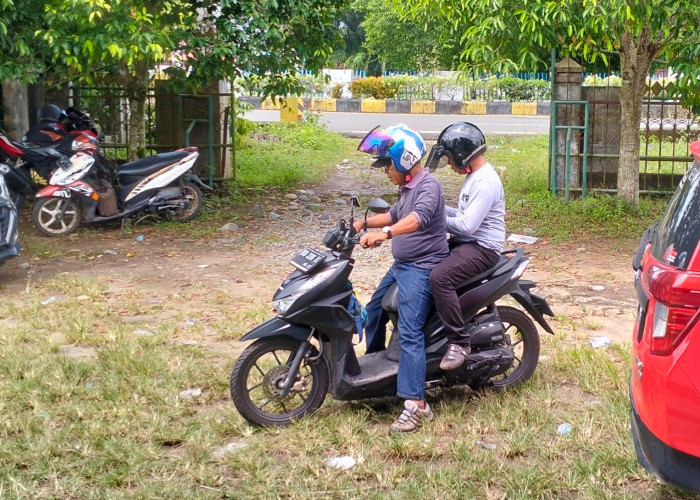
<point x="377" y="143"/>
<point x="433" y="161"/>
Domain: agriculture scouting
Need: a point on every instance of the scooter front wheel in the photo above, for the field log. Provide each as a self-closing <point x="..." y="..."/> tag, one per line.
<point x="525" y="343"/>
<point x="257" y="381"/>
<point x="55" y="216"/>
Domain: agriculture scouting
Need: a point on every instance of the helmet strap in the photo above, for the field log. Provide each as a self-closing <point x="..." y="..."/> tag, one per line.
<point x="407" y="177"/>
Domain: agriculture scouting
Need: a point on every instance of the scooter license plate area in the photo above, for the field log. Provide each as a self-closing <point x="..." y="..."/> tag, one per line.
<point x="308" y="260"/>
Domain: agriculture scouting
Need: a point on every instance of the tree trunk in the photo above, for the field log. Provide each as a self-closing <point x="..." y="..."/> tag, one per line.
<point x="15" y="106"/>
<point x="635" y="61"/>
<point x="136" y="86"/>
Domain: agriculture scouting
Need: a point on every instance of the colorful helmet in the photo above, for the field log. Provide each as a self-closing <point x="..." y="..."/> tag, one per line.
<point x="399" y="143"/>
<point x="461" y="142"/>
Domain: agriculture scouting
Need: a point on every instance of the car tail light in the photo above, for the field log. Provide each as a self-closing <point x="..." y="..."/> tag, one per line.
<point x="677" y="295"/>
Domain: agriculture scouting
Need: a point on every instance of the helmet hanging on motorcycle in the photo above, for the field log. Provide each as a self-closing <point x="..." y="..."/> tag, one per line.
<point x="461" y="142"/>
<point x="400" y="144"/>
<point x="50" y="113"/>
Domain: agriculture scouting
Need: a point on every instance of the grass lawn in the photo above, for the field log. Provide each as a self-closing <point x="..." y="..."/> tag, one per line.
<point x="126" y="415"/>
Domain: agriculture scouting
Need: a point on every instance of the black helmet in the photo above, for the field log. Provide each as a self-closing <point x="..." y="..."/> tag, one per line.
<point x="461" y="142"/>
<point x="50" y="113"/>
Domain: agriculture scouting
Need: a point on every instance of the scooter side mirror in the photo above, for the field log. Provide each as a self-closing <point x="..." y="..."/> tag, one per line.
<point x="378" y="206"/>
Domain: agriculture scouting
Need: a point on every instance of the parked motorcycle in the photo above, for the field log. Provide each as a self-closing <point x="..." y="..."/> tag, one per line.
<point x="34" y="158"/>
<point x="307" y="350"/>
<point x="9" y="239"/>
<point x="163" y="183"/>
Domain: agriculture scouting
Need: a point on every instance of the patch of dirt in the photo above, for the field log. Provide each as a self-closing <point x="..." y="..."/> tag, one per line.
<point x="589" y="284"/>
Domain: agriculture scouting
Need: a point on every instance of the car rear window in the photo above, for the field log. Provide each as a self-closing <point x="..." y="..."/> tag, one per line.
<point x="679" y="230"/>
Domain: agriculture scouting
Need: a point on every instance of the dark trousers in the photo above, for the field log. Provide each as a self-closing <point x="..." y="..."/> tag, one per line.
<point x="465" y="261"/>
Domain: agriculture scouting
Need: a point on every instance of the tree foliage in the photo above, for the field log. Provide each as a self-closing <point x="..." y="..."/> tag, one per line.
<point x="126" y="39"/>
<point x="21" y="53"/>
<point x="403" y="43"/>
<point x="267" y="39"/>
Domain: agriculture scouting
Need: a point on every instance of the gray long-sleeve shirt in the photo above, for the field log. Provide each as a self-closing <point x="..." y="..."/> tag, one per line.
<point x="423" y="197"/>
<point x="481" y="210"/>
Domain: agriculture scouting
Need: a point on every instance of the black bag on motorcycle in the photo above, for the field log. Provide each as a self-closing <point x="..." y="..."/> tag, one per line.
<point x="107" y="204"/>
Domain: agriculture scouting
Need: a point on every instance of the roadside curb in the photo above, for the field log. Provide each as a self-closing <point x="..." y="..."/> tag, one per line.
<point x="407" y="107"/>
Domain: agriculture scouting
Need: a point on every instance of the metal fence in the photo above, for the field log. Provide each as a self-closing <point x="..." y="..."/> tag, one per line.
<point x="666" y="131"/>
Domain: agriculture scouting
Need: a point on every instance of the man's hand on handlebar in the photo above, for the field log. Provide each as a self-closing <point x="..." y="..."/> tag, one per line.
<point x="373" y="239"/>
<point x="359" y="225"/>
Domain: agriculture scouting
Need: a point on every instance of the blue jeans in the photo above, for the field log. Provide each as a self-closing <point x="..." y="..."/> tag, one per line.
<point x="415" y="301"/>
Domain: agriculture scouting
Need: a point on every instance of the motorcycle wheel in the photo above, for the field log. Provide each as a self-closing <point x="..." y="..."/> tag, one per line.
<point x="46" y="212"/>
<point x="525" y="343"/>
<point x="257" y="373"/>
<point x="193" y="195"/>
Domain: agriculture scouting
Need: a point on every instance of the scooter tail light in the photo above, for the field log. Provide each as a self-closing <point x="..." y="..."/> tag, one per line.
<point x="520" y="269"/>
<point x="677" y="295"/>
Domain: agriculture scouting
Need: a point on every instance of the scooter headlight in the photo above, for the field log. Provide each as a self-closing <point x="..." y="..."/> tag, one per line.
<point x="283" y="305"/>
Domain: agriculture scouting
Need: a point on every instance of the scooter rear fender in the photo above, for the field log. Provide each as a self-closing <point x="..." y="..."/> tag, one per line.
<point x="533" y="304"/>
<point x="277" y="327"/>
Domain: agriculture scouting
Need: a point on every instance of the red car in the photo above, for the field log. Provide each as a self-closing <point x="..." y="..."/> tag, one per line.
<point x="665" y="379"/>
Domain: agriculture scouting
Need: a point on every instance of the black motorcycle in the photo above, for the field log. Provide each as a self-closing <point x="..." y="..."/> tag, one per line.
<point x="9" y="240"/>
<point x="307" y="350"/>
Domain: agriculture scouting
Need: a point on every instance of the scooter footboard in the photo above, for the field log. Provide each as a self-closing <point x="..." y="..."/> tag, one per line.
<point x="274" y="327"/>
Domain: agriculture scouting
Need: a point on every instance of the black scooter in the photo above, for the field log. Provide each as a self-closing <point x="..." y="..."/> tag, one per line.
<point x="307" y="351"/>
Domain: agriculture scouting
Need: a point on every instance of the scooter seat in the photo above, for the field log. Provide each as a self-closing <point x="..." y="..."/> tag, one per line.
<point x="150" y="165"/>
<point x="390" y="301"/>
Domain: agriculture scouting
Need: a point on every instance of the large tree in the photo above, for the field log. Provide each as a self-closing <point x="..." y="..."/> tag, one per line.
<point x="213" y="40"/>
<point x="505" y="35"/>
<point x="122" y="38"/>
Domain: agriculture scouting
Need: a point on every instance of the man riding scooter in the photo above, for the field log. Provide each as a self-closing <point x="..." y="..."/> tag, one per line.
<point x="418" y="224"/>
<point x="477" y="230"/>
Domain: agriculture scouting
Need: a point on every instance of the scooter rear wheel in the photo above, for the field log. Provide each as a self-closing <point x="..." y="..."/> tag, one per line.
<point x="257" y="378"/>
<point x="193" y="195"/>
<point x="51" y="219"/>
<point x="525" y="342"/>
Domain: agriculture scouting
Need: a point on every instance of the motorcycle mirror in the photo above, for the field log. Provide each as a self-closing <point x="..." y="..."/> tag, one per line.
<point x="378" y="206"/>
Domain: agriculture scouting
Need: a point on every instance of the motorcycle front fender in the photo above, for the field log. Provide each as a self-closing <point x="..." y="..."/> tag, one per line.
<point x="276" y="327"/>
<point x="536" y="306"/>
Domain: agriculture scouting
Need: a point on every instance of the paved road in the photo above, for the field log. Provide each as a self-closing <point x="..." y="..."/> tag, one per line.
<point x="358" y="124"/>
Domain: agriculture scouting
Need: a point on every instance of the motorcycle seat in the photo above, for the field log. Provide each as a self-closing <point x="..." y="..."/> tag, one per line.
<point x="390" y="301"/>
<point x="150" y="165"/>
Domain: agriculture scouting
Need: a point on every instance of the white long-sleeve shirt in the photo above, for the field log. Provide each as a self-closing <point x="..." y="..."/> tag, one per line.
<point x="481" y="210"/>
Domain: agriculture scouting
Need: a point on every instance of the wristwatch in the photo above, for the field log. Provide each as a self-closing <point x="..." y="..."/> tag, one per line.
<point x="387" y="230"/>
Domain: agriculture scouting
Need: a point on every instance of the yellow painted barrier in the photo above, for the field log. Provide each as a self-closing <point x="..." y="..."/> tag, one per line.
<point x="373" y="106"/>
<point x="291" y="110"/>
<point x="524" y="108"/>
<point x="473" y="108"/>
<point x="423" y="107"/>
<point x="323" y="105"/>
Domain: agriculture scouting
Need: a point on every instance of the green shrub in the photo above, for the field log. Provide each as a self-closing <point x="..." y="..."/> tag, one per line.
<point x="337" y="91"/>
<point x="373" y="86"/>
